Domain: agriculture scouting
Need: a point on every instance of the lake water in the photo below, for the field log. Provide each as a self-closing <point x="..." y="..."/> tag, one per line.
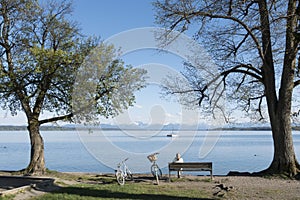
<point x="100" y="151"/>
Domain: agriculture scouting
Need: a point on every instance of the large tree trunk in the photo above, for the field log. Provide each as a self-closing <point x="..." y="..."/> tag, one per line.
<point x="284" y="158"/>
<point x="279" y="108"/>
<point x="37" y="160"/>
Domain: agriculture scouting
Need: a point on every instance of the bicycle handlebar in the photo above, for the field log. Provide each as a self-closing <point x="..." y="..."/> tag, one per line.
<point x="123" y="162"/>
<point x="154" y="154"/>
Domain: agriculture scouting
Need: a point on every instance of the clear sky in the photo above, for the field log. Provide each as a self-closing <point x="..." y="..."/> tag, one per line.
<point x="108" y="17"/>
<point x="105" y="18"/>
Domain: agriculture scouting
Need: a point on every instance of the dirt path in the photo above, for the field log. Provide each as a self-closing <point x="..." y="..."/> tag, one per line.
<point x="241" y="187"/>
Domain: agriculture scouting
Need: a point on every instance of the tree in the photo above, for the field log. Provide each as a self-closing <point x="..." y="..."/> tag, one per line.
<point x="255" y="44"/>
<point x="41" y="51"/>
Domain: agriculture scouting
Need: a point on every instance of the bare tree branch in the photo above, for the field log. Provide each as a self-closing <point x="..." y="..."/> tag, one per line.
<point x="296" y="83"/>
<point x="231" y="18"/>
<point x="55" y="119"/>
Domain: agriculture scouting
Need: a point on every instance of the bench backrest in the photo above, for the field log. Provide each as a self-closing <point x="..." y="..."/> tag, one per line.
<point x="191" y="166"/>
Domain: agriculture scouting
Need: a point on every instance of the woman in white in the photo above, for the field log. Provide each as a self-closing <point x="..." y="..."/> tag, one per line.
<point x="178" y="158"/>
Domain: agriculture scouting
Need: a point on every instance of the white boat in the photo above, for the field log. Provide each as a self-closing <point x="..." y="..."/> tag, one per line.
<point x="172" y="135"/>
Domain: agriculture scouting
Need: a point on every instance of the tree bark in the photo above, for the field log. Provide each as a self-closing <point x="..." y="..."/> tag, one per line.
<point x="37" y="160"/>
<point x="284" y="158"/>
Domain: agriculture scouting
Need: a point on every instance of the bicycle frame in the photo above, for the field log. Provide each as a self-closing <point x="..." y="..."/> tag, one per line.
<point x="123" y="172"/>
<point x="155" y="170"/>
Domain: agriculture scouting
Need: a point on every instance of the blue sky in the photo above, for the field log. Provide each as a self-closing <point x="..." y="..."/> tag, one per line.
<point x="106" y="18"/>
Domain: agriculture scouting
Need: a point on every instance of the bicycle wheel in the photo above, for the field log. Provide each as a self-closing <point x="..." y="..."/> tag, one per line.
<point x="129" y="175"/>
<point x="120" y="178"/>
<point x="155" y="170"/>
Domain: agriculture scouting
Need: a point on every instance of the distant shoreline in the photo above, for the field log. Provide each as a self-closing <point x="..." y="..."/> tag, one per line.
<point x="67" y="128"/>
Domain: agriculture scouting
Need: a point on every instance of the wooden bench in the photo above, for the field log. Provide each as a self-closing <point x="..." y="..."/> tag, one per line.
<point x="190" y="166"/>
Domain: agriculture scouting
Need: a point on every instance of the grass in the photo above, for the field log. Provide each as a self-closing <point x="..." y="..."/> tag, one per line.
<point x="8" y="197"/>
<point x="105" y="187"/>
<point x="128" y="191"/>
<point x="114" y="191"/>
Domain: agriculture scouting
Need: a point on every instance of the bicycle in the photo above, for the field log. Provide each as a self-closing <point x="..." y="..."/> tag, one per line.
<point x="155" y="170"/>
<point x="123" y="173"/>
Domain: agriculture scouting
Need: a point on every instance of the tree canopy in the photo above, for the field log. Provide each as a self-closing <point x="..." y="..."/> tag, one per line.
<point x="231" y="31"/>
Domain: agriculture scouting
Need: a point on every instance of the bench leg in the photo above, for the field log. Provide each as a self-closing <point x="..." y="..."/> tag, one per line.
<point x="178" y="173"/>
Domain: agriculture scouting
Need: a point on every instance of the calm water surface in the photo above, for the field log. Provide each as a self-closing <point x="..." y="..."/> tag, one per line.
<point x="73" y="151"/>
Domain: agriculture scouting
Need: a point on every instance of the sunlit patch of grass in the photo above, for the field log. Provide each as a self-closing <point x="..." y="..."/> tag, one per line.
<point x="7" y="197"/>
<point x="130" y="190"/>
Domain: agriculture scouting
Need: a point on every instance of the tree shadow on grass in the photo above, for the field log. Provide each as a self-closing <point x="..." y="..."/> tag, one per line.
<point x="101" y="193"/>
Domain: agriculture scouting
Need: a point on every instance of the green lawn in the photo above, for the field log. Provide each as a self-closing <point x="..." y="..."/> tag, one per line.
<point x="128" y="191"/>
<point x="92" y="186"/>
<point x="106" y="187"/>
